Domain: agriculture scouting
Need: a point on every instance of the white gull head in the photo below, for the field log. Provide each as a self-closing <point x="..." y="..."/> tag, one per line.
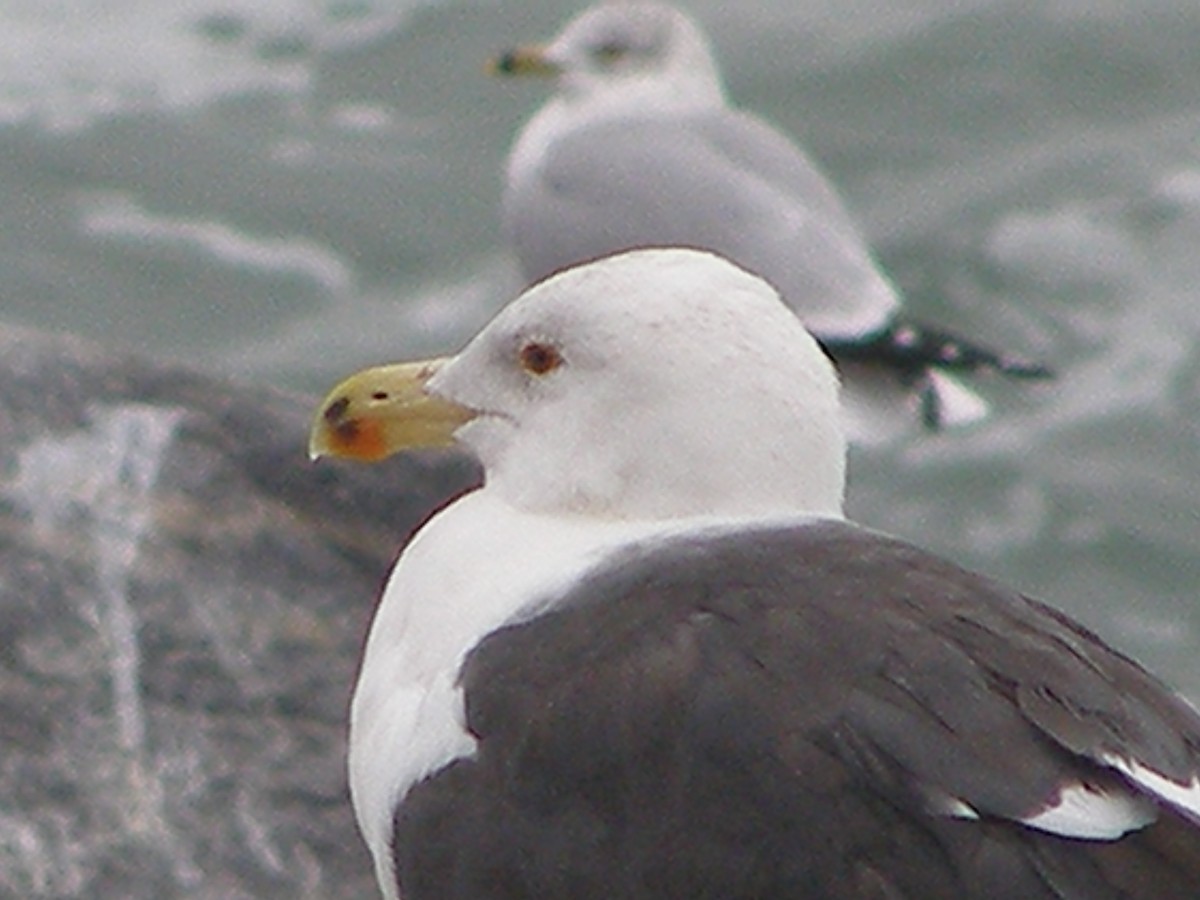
<point x="651" y="385"/>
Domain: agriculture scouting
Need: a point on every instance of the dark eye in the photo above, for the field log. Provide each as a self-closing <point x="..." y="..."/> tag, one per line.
<point x="610" y="52"/>
<point x="538" y="358"/>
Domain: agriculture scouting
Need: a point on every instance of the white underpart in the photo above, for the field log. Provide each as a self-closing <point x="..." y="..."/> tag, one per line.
<point x="1091" y="813"/>
<point x="1183" y="797"/>
<point x="876" y="406"/>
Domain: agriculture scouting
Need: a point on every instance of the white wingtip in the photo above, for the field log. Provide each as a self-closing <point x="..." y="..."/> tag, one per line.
<point x="1094" y="813"/>
<point x="958" y="404"/>
<point x="1183" y="797"/>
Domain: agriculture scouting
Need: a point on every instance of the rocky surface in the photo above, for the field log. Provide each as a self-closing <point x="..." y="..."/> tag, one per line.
<point x="183" y="596"/>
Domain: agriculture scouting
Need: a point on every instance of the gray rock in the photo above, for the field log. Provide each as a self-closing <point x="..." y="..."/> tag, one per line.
<point x="183" y="597"/>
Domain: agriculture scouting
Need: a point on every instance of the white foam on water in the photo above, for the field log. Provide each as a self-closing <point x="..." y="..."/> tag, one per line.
<point x="374" y="326"/>
<point x="67" y="63"/>
<point x="116" y="217"/>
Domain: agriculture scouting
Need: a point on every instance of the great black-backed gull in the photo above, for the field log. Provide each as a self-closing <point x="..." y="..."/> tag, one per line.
<point x="649" y="658"/>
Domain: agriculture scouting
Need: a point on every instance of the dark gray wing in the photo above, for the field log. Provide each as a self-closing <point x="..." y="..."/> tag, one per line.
<point x="809" y="712"/>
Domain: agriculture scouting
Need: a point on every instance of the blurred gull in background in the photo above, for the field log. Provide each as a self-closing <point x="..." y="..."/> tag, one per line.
<point x="638" y="147"/>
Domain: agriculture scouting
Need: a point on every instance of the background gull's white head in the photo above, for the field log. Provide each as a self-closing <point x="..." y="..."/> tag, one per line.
<point x="651" y="48"/>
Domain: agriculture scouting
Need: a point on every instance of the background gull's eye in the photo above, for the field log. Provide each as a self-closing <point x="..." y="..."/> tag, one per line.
<point x="609" y="52"/>
<point x="538" y="358"/>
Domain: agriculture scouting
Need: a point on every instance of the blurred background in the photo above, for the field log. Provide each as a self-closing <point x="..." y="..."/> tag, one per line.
<point x="281" y="191"/>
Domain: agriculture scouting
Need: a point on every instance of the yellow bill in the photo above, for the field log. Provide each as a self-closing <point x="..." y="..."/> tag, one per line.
<point x="528" y="60"/>
<point x="384" y="410"/>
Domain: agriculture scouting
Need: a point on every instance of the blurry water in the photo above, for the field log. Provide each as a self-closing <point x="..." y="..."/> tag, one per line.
<point x="286" y="190"/>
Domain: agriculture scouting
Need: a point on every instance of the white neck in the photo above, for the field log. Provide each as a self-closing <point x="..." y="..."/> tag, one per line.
<point x="407" y="714"/>
<point x="586" y="99"/>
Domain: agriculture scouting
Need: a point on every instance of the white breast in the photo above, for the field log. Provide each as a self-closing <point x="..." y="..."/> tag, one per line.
<point x="406" y="719"/>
